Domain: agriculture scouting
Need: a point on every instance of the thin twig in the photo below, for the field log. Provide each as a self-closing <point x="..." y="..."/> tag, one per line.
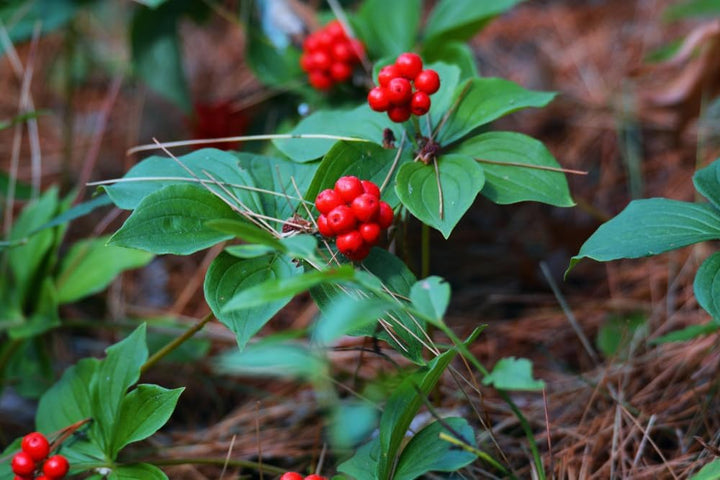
<point x="175" y="343"/>
<point x="395" y="161"/>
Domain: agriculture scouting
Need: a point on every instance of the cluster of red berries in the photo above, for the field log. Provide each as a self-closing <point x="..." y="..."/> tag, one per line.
<point x="32" y="460"/>
<point x="297" y="476"/>
<point x="395" y="94"/>
<point x="329" y="56"/>
<point x="354" y="214"/>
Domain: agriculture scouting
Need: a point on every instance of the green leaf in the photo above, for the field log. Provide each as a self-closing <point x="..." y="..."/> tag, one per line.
<point x="20" y="18"/>
<point x="272" y="66"/>
<point x="618" y="334"/>
<point x="403" y="405"/>
<point x="484" y="100"/>
<point x="443" y="99"/>
<point x="345" y="315"/>
<point x="707" y="182"/>
<point x="75" y="212"/>
<point x="460" y="179"/>
<point x="172" y="220"/>
<point x="228" y="275"/>
<point x="360" y="122"/>
<point x="146" y="471"/>
<point x="650" y="227"/>
<point x="156" y="54"/>
<point x="388" y="28"/>
<point x="246" y="231"/>
<point x="364" y="160"/>
<point x="707" y="285"/>
<point x="151" y="3"/>
<point x="710" y="471"/>
<point x="513" y="374"/>
<point x="270" y="357"/>
<point x="44" y="315"/>
<point x="23" y="191"/>
<point x="455" y="53"/>
<point x="461" y="19"/>
<point x="503" y="156"/>
<point x="431" y="296"/>
<point x="427" y="453"/>
<point x="363" y="465"/>
<point x="351" y="423"/>
<point x="90" y="265"/>
<point x="143" y="412"/>
<point x="687" y="333"/>
<point x="692" y="8"/>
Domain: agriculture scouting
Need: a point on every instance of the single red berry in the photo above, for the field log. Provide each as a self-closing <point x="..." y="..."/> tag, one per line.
<point x="291" y="476"/>
<point x="399" y="91"/>
<point x="56" y="466"/>
<point x="385" y="215"/>
<point x="420" y="103"/>
<point x="341" y="220"/>
<point x="23" y="464"/>
<point x="336" y="30"/>
<point x="36" y="445"/>
<point x="45" y="477"/>
<point x="306" y="62"/>
<point x="320" y="80"/>
<point x="327" y="200"/>
<point x="315" y="477"/>
<point x="321" y="60"/>
<point x="409" y="65"/>
<point x="370" y="232"/>
<point x="325" y="40"/>
<point x="349" y="243"/>
<point x="386" y="74"/>
<point x="399" y="113"/>
<point x="378" y="99"/>
<point x="365" y="207"/>
<point x="343" y="52"/>
<point x="427" y="81"/>
<point x="324" y="226"/>
<point x="370" y="187"/>
<point x="349" y="187"/>
<point x="311" y="43"/>
<point x="340" y="71"/>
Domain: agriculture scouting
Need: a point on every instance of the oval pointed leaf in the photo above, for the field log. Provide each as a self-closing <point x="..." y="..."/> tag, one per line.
<point x="649" y="227"/>
<point x="392" y="32"/>
<point x="508" y="158"/>
<point x="487" y="99"/>
<point x="461" y="178"/>
<point x="707" y="182"/>
<point x="513" y="374"/>
<point x="707" y="285"/>
<point x="431" y="297"/>
<point x="461" y="19"/>
<point x="172" y="220"/>
<point x="228" y="276"/>
<point x="146" y="471"/>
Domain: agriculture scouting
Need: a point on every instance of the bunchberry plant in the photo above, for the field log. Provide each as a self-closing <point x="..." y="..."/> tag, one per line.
<point x="330" y="56"/>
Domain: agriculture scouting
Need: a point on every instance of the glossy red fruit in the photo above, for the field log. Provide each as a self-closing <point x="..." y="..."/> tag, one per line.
<point x="370" y="232"/>
<point x="350" y="243"/>
<point x="399" y="91"/>
<point x="306" y="62"/>
<point x="341" y="71"/>
<point x="343" y="52"/>
<point x="336" y="30"/>
<point x="327" y="200"/>
<point x="365" y="207"/>
<point x="386" y="74"/>
<point x="291" y="476"/>
<point x="320" y="80"/>
<point x="56" y="466"/>
<point x="341" y="220"/>
<point x="315" y="477"/>
<point x="23" y="464"/>
<point x="324" y="226"/>
<point x="370" y="187"/>
<point x="325" y="40"/>
<point x="409" y="65"/>
<point x="311" y="43"/>
<point x="420" y="103"/>
<point x="349" y="187"/>
<point x="385" y="215"/>
<point x="378" y="99"/>
<point x="36" y="445"/>
<point x="321" y="60"/>
<point x="427" y="81"/>
<point x="399" y="113"/>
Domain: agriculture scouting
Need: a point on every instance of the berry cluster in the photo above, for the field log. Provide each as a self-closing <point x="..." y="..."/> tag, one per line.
<point x="395" y="93"/>
<point x="32" y="462"/>
<point x="297" y="476"/>
<point x="329" y="56"/>
<point x="354" y="214"/>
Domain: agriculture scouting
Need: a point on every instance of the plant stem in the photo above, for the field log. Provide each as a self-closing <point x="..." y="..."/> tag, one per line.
<point x="424" y="250"/>
<point x="157" y="356"/>
<point x="476" y="451"/>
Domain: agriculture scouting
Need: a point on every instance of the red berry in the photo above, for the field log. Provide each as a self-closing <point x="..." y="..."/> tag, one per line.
<point x="370" y="232"/>
<point x="385" y="215"/>
<point x="327" y="200"/>
<point x="340" y="71"/>
<point x="365" y="207"/>
<point x="386" y="74"/>
<point x="324" y="226"/>
<point x="427" y="81"/>
<point x="291" y="476"/>
<point x="306" y="62"/>
<point x="341" y="220"/>
<point x="343" y="52"/>
<point x="321" y="60"/>
<point x="378" y="99"/>
<point x="311" y="43"/>
<point x="348" y="188"/>
<point x="23" y="464"/>
<point x="370" y="187"/>
<point x="399" y="113"/>
<point x="350" y="243"/>
<point x="56" y="466"/>
<point x="409" y="65"/>
<point x="315" y="477"/>
<point x="420" y="103"/>
<point x="36" y="445"/>
<point x="45" y="477"/>
<point x="325" y="40"/>
<point x="399" y="91"/>
<point x="336" y="30"/>
<point x="320" y="80"/>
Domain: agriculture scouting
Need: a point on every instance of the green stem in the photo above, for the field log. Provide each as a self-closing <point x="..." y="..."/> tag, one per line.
<point x="175" y="343"/>
<point x="424" y="250"/>
<point x="476" y="451"/>
<point x="217" y="461"/>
